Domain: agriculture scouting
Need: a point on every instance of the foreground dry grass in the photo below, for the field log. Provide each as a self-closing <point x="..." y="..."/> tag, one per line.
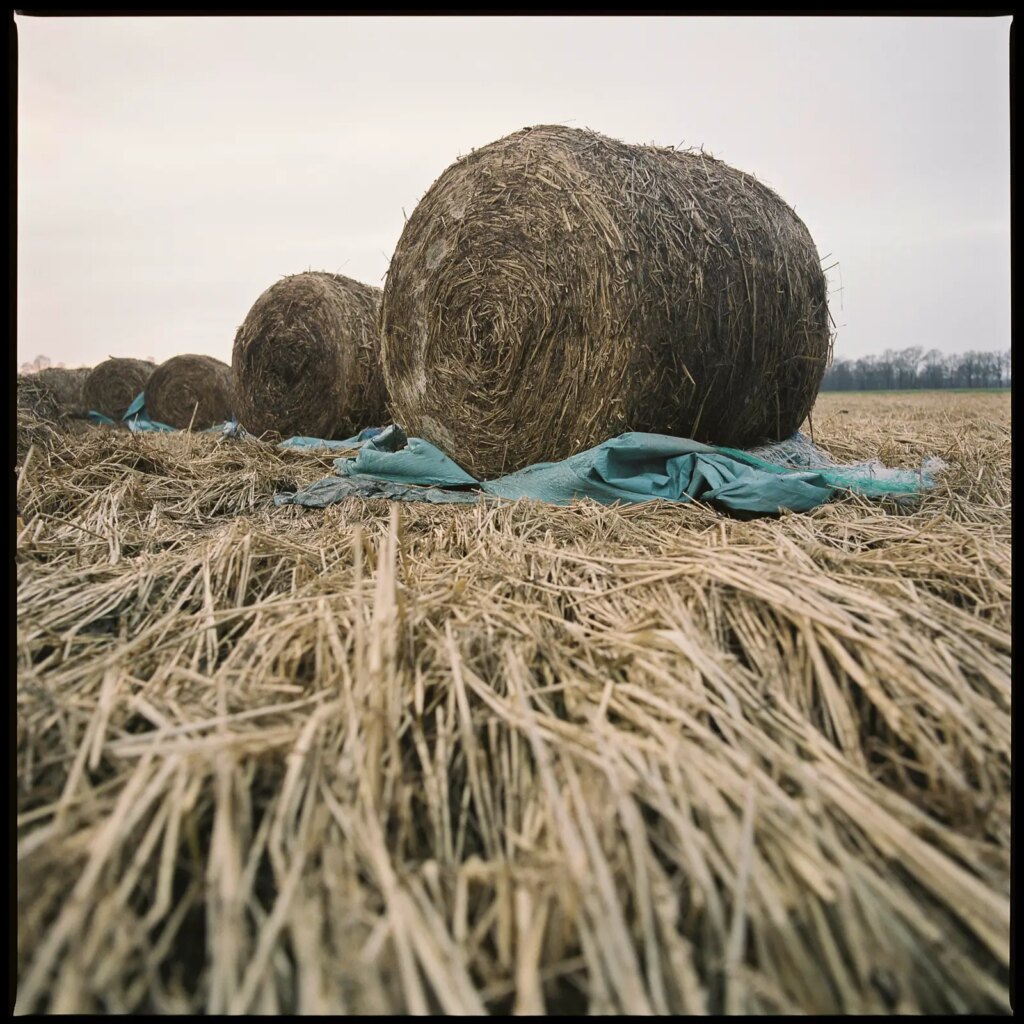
<point x="512" y="757"/>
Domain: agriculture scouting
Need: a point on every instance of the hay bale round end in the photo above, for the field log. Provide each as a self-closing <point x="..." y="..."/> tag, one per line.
<point x="557" y="287"/>
<point x="191" y="390"/>
<point x="114" y="384"/>
<point x="306" y="360"/>
<point x="63" y="387"/>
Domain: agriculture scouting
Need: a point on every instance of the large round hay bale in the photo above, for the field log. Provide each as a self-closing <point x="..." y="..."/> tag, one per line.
<point x="64" y="386"/>
<point x="557" y="287"/>
<point x="306" y="360"/>
<point x="114" y="384"/>
<point x="190" y="389"/>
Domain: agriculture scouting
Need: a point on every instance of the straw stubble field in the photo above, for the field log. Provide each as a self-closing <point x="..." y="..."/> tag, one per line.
<point x="512" y="757"/>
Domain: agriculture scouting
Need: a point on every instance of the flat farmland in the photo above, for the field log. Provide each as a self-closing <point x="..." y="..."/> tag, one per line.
<point x="512" y="757"/>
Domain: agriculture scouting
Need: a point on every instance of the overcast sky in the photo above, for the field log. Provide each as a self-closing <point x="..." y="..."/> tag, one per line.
<point x="171" y="169"/>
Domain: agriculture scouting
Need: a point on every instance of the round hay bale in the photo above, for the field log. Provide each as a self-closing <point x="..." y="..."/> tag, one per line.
<point x="306" y="360"/>
<point x="37" y="401"/>
<point x="66" y="384"/>
<point x="114" y="384"/>
<point x="190" y="389"/>
<point x="53" y="394"/>
<point x="47" y="404"/>
<point x="557" y="287"/>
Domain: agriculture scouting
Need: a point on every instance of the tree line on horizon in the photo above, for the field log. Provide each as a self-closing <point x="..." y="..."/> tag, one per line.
<point x="913" y="368"/>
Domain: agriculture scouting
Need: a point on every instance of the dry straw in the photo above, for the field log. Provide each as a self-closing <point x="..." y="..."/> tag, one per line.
<point x="306" y="360"/>
<point x="190" y="390"/>
<point x="46" y="401"/>
<point x="557" y="287"/>
<point x="114" y="384"/>
<point x="512" y="757"/>
<point x="65" y="384"/>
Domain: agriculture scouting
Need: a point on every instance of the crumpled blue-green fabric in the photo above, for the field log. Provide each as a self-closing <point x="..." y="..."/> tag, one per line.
<point x="318" y="443"/>
<point x="393" y="457"/>
<point x="633" y="467"/>
<point x="142" y="424"/>
<point x="869" y="478"/>
<point x="138" y="421"/>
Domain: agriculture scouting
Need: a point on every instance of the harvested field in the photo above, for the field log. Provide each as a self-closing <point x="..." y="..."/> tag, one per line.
<point x="512" y="757"/>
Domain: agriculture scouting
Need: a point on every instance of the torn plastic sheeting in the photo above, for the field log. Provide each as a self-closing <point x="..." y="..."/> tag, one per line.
<point x="318" y="443"/>
<point x="395" y="458"/>
<point x="637" y="467"/>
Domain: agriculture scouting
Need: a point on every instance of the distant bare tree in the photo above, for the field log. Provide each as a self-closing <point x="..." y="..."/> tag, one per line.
<point x="37" y="364"/>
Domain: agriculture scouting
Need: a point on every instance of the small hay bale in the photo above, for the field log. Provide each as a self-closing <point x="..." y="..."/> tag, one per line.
<point x="66" y="384"/>
<point x="114" y="384"/>
<point x="47" y="404"/>
<point x="38" y="414"/>
<point x="37" y="401"/>
<point x="557" y="287"/>
<point x="190" y="386"/>
<point x="306" y="360"/>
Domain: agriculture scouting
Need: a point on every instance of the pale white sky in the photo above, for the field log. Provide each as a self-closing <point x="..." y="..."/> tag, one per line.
<point x="171" y="169"/>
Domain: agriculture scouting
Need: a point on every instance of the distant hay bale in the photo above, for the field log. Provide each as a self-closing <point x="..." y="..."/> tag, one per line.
<point x="114" y="384"/>
<point x="557" y="287"/>
<point x="36" y="400"/>
<point x="47" y="404"/>
<point x="66" y="384"/>
<point x="190" y="389"/>
<point x="52" y="395"/>
<point x="306" y="360"/>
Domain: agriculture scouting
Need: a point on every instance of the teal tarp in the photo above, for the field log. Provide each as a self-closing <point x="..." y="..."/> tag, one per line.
<point x="633" y="467"/>
<point x="318" y="443"/>
<point x="394" y="458"/>
<point x="636" y="467"/>
<point x="792" y="475"/>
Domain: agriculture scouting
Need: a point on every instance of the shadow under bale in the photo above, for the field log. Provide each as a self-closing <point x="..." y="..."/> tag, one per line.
<point x="114" y="384"/>
<point x="557" y="287"/>
<point x="190" y="390"/>
<point x="306" y="359"/>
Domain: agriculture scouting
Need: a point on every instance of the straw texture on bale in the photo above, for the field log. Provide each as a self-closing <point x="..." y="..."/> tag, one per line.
<point x="306" y="359"/>
<point x="114" y="384"/>
<point x="36" y="400"/>
<point x="190" y="389"/>
<point x="52" y="394"/>
<point x="65" y="384"/>
<point x="41" y="411"/>
<point x="557" y="287"/>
